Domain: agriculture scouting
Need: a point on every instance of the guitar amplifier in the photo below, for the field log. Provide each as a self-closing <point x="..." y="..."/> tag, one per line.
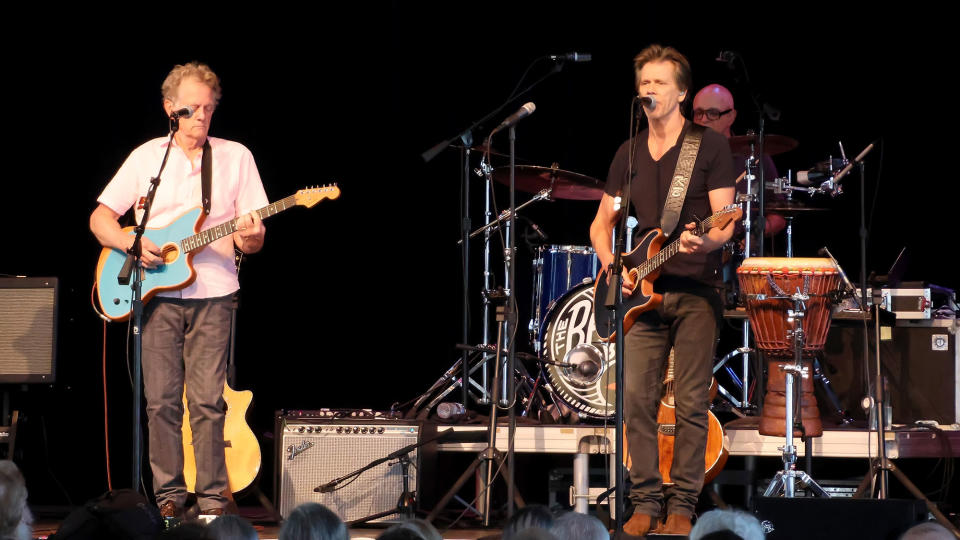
<point x="28" y="329"/>
<point x="314" y="450"/>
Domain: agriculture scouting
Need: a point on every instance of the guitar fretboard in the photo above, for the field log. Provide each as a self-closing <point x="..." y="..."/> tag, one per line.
<point x="213" y="234"/>
<point x="650" y="265"/>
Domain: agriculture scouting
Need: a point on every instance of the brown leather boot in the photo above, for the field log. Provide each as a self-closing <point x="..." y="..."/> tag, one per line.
<point x="639" y="524"/>
<point x="675" y="524"/>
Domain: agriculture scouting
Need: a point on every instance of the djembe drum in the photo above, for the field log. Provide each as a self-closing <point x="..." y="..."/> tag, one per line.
<point x="769" y="285"/>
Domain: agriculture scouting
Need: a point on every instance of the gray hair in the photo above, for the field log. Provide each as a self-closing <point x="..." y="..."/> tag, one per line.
<point x="929" y="530"/>
<point x="313" y="521"/>
<point x="230" y="527"/>
<point x="742" y="524"/>
<point x="576" y="526"/>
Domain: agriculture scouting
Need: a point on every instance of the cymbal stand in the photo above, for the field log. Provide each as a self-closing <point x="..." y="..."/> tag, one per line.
<point x="784" y="481"/>
<point x="752" y="164"/>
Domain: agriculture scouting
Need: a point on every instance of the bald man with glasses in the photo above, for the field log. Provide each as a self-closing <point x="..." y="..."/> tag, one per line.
<point x="713" y="107"/>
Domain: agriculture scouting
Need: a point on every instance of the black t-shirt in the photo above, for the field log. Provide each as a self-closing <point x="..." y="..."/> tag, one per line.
<point x="651" y="182"/>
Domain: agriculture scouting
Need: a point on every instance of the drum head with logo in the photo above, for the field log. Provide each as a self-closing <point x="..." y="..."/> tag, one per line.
<point x="589" y="384"/>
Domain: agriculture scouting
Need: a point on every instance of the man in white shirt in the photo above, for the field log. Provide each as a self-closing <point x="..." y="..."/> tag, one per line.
<point x="186" y="333"/>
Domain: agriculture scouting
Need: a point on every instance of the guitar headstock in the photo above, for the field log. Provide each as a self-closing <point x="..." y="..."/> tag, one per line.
<point x="722" y="218"/>
<point x="311" y="196"/>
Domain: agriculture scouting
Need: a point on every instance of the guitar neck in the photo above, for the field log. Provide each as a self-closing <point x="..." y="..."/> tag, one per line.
<point x="650" y="265"/>
<point x="208" y="236"/>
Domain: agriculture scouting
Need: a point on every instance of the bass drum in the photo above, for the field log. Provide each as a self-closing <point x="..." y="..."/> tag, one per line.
<point x="570" y="336"/>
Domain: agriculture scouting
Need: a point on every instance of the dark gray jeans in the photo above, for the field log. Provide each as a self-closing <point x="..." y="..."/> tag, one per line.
<point x="688" y="323"/>
<point x="187" y="341"/>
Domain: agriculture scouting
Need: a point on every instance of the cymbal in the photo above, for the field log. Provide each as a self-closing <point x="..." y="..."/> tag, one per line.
<point x="793" y="208"/>
<point x="566" y="184"/>
<point x="772" y="144"/>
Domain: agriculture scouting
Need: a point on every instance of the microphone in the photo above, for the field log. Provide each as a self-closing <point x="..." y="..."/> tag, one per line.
<point x="649" y="102"/>
<point x="575" y="56"/>
<point x="183" y="112"/>
<point x="451" y="411"/>
<point x="856" y="161"/>
<point x="525" y="111"/>
<point x="848" y="286"/>
<point x="588" y="369"/>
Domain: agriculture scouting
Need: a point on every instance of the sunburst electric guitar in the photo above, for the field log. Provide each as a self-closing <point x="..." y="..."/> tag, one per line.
<point x="178" y="242"/>
<point x="644" y="264"/>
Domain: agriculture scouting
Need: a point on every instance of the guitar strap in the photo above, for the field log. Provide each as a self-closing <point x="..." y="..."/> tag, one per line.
<point x="681" y="178"/>
<point x="206" y="174"/>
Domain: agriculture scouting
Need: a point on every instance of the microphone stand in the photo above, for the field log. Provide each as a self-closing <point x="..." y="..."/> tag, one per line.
<point x="881" y="465"/>
<point x="466" y="136"/>
<point x="132" y="266"/>
<point x="614" y="302"/>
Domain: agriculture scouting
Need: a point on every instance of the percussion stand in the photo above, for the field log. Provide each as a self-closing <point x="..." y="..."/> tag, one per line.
<point x="784" y="481"/>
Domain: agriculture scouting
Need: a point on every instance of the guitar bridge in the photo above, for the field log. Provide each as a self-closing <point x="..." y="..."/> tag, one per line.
<point x="668" y="429"/>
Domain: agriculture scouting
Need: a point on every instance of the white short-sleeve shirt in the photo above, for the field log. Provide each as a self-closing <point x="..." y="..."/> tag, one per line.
<point x="236" y="189"/>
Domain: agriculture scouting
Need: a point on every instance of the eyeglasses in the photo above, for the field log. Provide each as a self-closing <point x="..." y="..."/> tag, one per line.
<point x="711" y="114"/>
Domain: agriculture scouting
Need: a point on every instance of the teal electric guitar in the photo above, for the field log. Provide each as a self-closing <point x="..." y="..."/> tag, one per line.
<point x="178" y="242"/>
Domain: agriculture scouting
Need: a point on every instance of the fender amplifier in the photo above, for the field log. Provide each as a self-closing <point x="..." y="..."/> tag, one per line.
<point x="314" y="451"/>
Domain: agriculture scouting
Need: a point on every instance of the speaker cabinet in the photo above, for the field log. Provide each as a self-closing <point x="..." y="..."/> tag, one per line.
<point x="314" y="451"/>
<point x="920" y="360"/>
<point x="28" y="329"/>
<point x="805" y="518"/>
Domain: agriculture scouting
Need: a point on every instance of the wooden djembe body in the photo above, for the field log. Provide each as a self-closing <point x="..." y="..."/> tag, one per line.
<point x="769" y="283"/>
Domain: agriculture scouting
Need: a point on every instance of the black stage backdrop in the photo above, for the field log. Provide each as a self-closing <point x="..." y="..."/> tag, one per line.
<point x="356" y="302"/>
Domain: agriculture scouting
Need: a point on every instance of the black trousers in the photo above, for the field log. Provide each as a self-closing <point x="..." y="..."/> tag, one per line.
<point x="687" y="322"/>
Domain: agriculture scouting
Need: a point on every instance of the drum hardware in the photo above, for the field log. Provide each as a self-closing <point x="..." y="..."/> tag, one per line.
<point x="723" y="364"/>
<point x="493" y="226"/>
<point x="790" y="329"/>
<point x="784" y="481"/>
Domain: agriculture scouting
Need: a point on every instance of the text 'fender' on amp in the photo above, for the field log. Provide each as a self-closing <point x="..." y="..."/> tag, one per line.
<point x="313" y="451"/>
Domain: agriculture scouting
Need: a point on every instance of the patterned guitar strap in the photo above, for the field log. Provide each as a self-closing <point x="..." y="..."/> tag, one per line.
<point x="681" y="178"/>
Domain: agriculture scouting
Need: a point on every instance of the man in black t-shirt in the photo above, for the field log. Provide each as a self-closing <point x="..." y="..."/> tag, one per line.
<point x="686" y="320"/>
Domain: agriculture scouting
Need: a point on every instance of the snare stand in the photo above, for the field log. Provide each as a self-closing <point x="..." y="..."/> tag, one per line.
<point x="785" y="480"/>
